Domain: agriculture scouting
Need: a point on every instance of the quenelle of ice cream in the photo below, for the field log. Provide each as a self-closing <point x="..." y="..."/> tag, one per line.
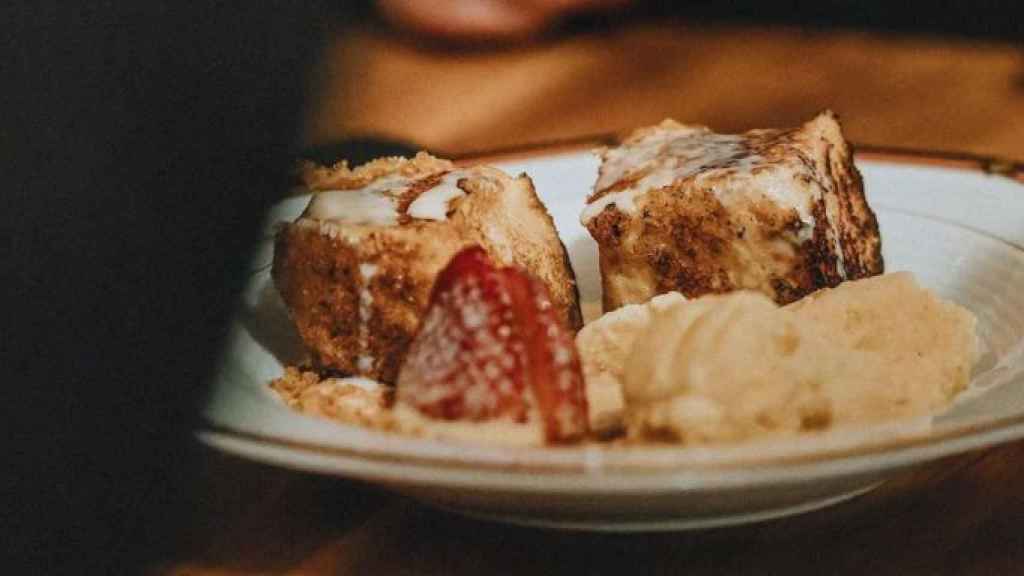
<point x="734" y="367"/>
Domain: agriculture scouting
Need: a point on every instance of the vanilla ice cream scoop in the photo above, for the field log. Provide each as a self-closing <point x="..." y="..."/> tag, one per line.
<point x="732" y="367"/>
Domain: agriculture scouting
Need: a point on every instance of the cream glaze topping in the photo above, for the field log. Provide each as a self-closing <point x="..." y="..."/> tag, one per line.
<point x="365" y="361"/>
<point x="670" y="154"/>
<point x="377" y="203"/>
<point x="433" y="203"/>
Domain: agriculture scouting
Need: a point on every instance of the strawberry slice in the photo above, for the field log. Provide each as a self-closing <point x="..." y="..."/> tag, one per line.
<point x="492" y="346"/>
<point x="466" y="362"/>
<point x="553" y="364"/>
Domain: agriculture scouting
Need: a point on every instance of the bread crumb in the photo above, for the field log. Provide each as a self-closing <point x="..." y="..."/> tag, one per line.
<point x="348" y="400"/>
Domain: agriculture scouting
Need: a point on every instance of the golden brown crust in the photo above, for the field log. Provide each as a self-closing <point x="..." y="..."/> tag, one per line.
<point x="717" y="230"/>
<point x="341" y="177"/>
<point x="307" y="392"/>
<point x="318" y="275"/>
<point x="305" y="269"/>
<point x="357" y="292"/>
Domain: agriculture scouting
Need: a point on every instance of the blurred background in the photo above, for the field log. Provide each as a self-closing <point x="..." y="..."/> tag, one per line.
<point x="141" y="141"/>
<point x="926" y="75"/>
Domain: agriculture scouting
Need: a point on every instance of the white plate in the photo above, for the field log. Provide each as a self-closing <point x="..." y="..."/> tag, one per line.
<point x="959" y="230"/>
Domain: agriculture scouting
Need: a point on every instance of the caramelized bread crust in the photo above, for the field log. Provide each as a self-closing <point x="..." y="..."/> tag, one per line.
<point x="778" y="211"/>
<point x="357" y="292"/>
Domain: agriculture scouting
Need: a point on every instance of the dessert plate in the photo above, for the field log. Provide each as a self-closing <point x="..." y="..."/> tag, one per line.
<point x="956" y="225"/>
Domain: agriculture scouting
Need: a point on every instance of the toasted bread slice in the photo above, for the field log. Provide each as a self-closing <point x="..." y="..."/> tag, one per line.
<point x="681" y="208"/>
<point x="356" y="269"/>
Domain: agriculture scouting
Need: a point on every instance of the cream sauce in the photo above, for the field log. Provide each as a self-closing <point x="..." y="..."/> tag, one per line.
<point x="433" y="203"/>
<point x="377" y="203"/>
<point x="662" y="159"/>
<point x="668" y="156"/>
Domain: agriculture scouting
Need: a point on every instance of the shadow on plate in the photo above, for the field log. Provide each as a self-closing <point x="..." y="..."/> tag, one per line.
<point x="270" y="326"/>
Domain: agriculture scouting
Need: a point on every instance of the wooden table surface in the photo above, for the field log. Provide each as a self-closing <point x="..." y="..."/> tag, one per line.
<point x="964" y="515"/>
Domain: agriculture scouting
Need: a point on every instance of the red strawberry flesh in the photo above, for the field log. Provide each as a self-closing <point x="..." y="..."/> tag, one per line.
<point x="552" y="360"/>
<point x="492" y="346"/>
<point x="466" y="362"/>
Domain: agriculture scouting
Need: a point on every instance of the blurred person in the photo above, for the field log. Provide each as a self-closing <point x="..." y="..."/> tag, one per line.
<point x="486" y="19"/>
